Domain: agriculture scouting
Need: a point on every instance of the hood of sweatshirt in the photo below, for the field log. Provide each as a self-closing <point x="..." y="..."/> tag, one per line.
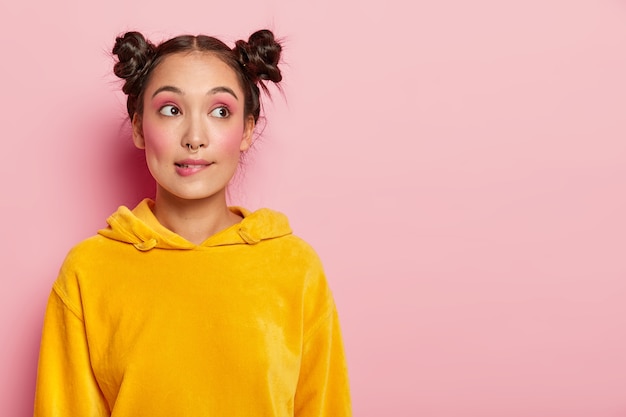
<point x="141" y="228"/>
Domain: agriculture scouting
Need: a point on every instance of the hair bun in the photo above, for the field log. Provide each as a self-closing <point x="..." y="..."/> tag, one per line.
<point x="134" y="53"/>
<point x="260" y="56"/>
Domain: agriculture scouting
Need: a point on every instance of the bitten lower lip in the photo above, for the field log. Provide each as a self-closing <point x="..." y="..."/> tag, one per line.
<point x="189" y="167"/>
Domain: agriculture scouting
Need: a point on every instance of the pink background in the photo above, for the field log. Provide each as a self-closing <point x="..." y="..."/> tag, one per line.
<point x="459" y="166"/>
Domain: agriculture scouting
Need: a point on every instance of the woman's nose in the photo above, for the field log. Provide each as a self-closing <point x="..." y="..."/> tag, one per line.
<point x="196" y="135"/>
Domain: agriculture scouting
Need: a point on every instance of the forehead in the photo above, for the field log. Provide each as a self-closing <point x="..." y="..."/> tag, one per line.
<point x="193" y="70"/>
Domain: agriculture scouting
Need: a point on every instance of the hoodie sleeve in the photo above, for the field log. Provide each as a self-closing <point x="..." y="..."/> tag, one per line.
<point x="66" y="385"/>
<point x="323" y="389"/>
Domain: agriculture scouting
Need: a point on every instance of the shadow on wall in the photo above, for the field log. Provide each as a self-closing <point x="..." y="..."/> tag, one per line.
<point x="130" y="180"/>
<point x="97" y="168"/>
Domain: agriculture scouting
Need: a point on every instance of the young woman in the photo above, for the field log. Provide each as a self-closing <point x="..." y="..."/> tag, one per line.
<point x="185" y="306"/>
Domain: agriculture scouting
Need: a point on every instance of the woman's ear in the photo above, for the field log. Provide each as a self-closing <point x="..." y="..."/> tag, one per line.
<point x="248" y="130"/>
<point x="138" y="132"/>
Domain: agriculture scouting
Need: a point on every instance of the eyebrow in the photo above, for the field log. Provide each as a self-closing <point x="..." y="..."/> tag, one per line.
<point x="214" y="90"/>
<point x="222" y="89"/>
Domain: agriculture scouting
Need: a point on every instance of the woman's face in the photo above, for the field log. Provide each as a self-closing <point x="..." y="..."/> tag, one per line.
<point x="193" y="127"/>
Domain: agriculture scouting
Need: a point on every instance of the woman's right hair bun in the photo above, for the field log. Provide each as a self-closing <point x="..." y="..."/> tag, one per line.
<point x="260" y="56"/>
<point x="134" y="54"/>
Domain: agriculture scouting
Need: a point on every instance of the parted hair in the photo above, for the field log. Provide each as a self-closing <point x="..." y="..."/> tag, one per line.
<point x="255" y="62"/>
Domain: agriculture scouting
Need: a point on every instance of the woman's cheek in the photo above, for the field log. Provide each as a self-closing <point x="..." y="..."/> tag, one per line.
<point x="233" y="141"/>
<point x="156" y="138"/>
<point x="233" y="136"/>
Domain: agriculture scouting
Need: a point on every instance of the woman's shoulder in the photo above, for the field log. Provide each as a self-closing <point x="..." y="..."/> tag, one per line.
<point x="79" y="258"/>
<point x="85" y="249"/>
<point x="270" y="225"/>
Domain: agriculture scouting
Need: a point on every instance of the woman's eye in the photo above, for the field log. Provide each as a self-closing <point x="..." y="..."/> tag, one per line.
<point x="169" y="110"/>
<point x="220" y="112"/>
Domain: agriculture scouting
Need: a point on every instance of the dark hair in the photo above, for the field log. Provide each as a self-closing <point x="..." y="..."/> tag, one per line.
<point x="254" y="62"/>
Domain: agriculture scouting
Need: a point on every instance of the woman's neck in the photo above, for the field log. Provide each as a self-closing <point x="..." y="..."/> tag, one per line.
<point x="194" y="220"/>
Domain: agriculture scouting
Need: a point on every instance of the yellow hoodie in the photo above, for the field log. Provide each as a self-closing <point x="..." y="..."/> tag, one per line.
<point x="142" y="322"/>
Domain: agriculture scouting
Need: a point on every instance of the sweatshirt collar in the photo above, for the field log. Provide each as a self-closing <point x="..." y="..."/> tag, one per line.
<point x="141" y="228"/>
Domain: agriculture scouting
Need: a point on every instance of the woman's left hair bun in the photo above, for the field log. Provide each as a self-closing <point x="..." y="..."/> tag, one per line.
<point x="260" y="56"/>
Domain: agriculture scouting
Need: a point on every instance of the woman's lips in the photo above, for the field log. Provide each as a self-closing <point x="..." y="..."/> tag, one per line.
<point x="188" y="167"/>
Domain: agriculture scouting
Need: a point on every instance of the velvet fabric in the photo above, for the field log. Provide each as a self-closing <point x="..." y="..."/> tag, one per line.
<point x="141" y="322"/>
